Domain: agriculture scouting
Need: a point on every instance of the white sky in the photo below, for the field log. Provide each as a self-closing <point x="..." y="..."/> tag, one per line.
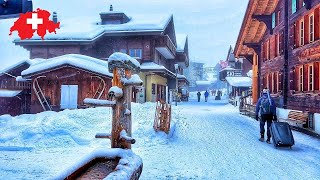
<point x="212" y="25"/>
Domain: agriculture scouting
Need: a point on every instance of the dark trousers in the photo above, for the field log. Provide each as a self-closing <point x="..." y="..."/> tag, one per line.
<point x="266" y="118"/>
<point x="198" y="98"/>
<point x="206" y="99"/>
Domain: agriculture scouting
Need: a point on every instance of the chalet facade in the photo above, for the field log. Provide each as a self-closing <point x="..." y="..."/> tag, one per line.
<point x="149" y="39"/>
<point x="15" y="92"/>
<point x="294" y="82"/>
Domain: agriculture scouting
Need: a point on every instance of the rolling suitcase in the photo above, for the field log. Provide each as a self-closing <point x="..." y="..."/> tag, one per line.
<point x="281" y="134"/>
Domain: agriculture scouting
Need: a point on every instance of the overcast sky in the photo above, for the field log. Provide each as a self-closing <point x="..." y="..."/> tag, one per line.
<point x="211" y="25"/>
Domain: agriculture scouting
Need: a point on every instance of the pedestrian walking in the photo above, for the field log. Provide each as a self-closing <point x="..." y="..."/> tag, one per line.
<point x="206" y="95"/>
<point x="266" y="109"/>
<point x="199" y="95"/>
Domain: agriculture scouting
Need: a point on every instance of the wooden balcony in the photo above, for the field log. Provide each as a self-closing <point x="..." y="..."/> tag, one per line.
<point x="13" y="84"/>
<point x="165" y="46"/>
<point x="182" y="59"/>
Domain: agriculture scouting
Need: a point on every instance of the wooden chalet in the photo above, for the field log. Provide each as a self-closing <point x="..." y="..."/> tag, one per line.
<point x="15" y="92"/>
<point x="65" y="81"/>
<point x="151" y="39"/>
<point x="293" y="81"/>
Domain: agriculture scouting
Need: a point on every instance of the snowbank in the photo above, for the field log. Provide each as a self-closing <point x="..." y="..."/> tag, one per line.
<point x="123" y="58"/>
<point x="60" y="140"/>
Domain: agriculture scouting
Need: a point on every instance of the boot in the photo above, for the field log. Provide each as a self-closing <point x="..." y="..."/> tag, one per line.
<point x="261" y="137"/>
<point x="268" y="140"/>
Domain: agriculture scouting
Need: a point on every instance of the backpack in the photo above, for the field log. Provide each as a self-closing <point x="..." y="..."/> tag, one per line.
<point x="265" y="106"/>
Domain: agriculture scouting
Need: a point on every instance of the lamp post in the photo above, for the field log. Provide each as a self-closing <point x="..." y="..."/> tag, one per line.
<point x="176" y="67"/>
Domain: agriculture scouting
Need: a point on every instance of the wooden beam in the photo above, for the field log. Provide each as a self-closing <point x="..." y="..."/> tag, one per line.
<point x="266" y="19"/>
<point x="255" y="46"/>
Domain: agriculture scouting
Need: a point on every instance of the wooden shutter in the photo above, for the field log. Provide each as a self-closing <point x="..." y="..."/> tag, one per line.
<point x="281" y="42"/>
<point x="297" y="33"/>
<point x="306" y="29"/>
<point x="316" y="76"/>
<point x="276" y="45"/>
<point x="292" y="79"/>
<point x="292" y="36"/>
<point x="262" y="52"/>
<point x="316" y="24"/>
<point x="272" y="47"/>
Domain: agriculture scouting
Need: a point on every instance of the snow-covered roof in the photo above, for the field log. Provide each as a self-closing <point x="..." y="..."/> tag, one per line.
<point x="203" y="83"/>
<point x="228" y="68"/>
<point x="121" y="57"/>
<point x="9" y="93"/>
<point x="239" y="81"/>
<point x="151" y="66"/>
<point x="7" y="69"/>
<point x="180" y="76"/>
<point x="77" y="60"/>
<point x="181" y="42"/>
<point x="89" y="28"/>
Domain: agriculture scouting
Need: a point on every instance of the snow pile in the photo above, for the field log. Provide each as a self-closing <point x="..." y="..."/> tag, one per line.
<point x="116" y="91"/>
<point x="250" y="74"/>
<point x="77" y="60"/>
<point x="20" y="79"/>
<point x="152" y="66"/>
<point x="8" y="93"/>
<point x="180" y="76"/>
<point x="128" y="163"/>
<point x="122" y="58"/>
<point x="98" y="101"/>
<point x="134" y="80"/>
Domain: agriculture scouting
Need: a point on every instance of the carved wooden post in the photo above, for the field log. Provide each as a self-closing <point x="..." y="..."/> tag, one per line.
<point x="122" y="66"/>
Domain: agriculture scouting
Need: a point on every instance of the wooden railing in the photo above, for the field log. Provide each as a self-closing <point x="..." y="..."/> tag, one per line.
<point x="246" y="107"/>
<point x="13" y="84"/>
<point x="165" y="41"/>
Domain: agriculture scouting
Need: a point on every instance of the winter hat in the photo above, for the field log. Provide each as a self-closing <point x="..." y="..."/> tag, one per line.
<point x="265" y="91"/>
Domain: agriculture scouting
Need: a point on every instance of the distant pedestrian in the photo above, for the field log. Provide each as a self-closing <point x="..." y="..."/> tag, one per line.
<point x="266" y="108"/>
<point x="206" y="95"/>
<point x="199" y="95"/>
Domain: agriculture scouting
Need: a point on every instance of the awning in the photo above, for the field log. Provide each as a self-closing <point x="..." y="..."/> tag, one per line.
<point x="9" y="93"/>
<point x="239" y="81"/>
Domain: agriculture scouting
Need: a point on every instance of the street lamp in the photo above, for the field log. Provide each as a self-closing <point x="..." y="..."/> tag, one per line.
<point x="176" y="67"/>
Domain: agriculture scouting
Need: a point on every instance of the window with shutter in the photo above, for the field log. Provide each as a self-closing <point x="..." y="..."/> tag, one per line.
<point x="311" y="27"/>
<point x="301" y="32"/>
<point x="306" y="29"/>
<point x="316" y="76"/>
<point x="310" y="77"/>
<point x="300" y="78"/>
<point x="317" y="24"/>
<point x="294" y="6"/>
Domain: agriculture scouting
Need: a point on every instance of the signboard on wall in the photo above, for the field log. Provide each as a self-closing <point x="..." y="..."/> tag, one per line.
<point x="229" y="73"/>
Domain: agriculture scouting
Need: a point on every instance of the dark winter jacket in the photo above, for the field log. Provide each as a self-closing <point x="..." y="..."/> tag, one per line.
<point x="273" y="107"/>
<point x="198" y="94"/>
<point x="206" y="94"/>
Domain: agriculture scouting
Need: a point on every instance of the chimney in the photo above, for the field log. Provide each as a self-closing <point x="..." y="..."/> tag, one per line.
<point x="111" y="7"/>
<point x="55" y="17"/>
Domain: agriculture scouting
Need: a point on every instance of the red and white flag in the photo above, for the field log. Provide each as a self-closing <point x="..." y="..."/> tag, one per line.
<point x="31" y="22"/>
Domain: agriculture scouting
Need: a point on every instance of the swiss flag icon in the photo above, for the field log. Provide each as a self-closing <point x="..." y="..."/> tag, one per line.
<point x="31" y="22"/>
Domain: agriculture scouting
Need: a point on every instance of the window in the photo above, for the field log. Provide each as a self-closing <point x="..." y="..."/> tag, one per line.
<point x="294" y="6"/>
<point x="123" y="51"/>
<point x="273" y="20"/>
<point x="311" y="28"/>
<point x="268" y="81"/>
<point x="311" y="77"/>
<point x="136" y="53"/>
<point x="301" y="32"/>
<point x="272" y="83"/>
<point x="300" y="78"/>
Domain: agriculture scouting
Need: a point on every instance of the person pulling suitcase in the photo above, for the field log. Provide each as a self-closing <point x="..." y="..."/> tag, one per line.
<point x="266" y="108"/>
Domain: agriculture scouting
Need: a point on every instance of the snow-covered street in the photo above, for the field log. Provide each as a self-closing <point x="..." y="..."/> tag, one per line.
<point x="211" y="141"/>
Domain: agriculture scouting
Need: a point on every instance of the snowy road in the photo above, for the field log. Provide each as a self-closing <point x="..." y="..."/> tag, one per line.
<point x="212" y="141"/>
